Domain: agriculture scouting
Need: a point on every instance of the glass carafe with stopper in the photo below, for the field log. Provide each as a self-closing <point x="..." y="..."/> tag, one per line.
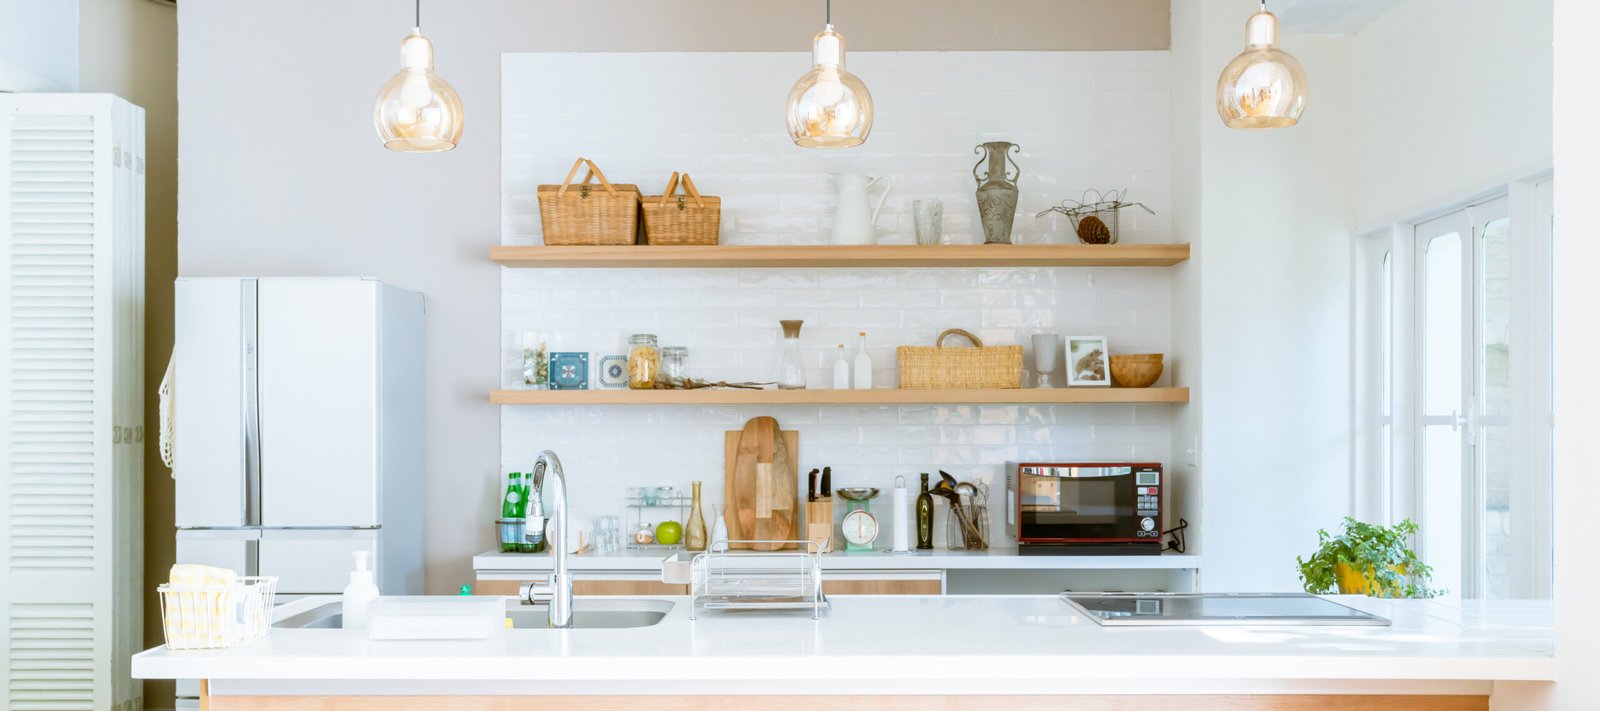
<point x="791" y="367"/>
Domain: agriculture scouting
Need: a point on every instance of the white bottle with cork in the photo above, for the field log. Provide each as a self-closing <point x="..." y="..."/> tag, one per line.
<point x="359" y="594"/>
<point x="841" y="371"/>
<point x="863" y="379"/>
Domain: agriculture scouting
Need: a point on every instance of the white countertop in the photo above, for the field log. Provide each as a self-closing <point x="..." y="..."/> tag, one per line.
<point x="896" y="644"/>
<point x="992" y="559"/>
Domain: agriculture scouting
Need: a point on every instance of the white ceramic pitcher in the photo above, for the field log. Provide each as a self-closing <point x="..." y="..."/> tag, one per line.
<point x="852" y="222"/>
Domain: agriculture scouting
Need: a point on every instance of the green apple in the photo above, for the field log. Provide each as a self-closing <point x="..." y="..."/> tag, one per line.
<point x="669" y="532"/>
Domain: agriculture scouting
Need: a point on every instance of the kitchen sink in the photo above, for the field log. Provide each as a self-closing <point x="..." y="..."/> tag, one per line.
<point x="595" y="613"/>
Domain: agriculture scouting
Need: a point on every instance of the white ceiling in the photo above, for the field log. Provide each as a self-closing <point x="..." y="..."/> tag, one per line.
<point x="1331" y="17"/>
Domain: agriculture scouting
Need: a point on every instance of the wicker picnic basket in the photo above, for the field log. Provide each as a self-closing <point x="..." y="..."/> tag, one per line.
<point x="681" y="219"/>
<point x="585" y="214"/>
<point x="935" y="367"/>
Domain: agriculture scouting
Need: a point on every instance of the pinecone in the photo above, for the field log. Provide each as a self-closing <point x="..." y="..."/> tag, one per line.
<point x="1091" y="230"/>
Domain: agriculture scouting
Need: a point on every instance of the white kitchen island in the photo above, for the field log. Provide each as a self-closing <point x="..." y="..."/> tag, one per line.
<point x="869" y="652"/>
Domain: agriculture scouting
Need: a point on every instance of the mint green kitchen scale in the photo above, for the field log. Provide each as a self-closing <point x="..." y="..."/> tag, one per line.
<point x="860" y="527"/>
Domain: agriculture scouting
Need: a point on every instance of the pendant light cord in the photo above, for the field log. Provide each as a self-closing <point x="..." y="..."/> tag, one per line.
<point x="827" y="14"/>
<point x="419" y="13"/>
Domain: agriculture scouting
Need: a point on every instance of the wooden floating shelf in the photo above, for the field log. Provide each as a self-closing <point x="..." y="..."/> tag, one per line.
<point x="726" y="257"/>
<point x="1031" y="396"/>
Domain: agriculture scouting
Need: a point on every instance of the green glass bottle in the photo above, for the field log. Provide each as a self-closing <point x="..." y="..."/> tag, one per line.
<point x="924" y="517"/>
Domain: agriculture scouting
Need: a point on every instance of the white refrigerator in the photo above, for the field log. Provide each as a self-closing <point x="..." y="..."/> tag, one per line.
<point x="298" y="429"/>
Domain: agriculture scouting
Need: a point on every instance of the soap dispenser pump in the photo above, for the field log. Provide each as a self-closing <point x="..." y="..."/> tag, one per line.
<point x="360" y="593"/>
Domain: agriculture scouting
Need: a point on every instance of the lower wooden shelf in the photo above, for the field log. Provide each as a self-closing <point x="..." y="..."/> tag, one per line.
<point x="1029" y="396"/>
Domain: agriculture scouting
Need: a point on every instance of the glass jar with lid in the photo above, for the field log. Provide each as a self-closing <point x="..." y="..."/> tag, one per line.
<point x="644" y="361"/>
<point x="675" y="362"/>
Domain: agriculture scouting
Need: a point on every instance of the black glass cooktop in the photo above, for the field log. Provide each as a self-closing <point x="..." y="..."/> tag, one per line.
<point x="1198" y="609"/>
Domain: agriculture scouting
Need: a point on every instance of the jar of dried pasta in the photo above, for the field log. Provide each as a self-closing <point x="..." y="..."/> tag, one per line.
<point x="644" y="361"/>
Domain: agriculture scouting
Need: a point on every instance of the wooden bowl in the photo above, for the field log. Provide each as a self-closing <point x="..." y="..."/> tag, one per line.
<point x="1136" y="370"/>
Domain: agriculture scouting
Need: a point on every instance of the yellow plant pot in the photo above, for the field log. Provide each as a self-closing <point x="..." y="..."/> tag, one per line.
<point x="1356" y="582"/>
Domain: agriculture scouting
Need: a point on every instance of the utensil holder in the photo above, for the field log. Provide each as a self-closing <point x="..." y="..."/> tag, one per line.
<point x="955" y="539"/>
<point x="819" y="524"/>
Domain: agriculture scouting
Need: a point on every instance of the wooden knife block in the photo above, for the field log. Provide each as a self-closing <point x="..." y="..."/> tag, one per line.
<point x="791" y="439"/>
<point x="819" y="524"/>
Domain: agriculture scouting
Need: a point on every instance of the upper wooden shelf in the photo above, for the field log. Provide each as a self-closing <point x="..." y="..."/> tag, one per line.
<point x="884" y="396"/>
<point x="964" y="255"/>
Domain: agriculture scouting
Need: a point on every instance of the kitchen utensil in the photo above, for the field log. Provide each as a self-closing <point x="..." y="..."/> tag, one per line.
<point x="1045" y="346"/>
<point x="928" y="217"/>
<point x="975" y="499"/>
<point x="859" y="526"/>
<point x="852" y="221"/>
<point x="761" y="489"/>
<point x="725" y="579"/>
<point x="946" y="487"/>
<point x="1136" y="370"/>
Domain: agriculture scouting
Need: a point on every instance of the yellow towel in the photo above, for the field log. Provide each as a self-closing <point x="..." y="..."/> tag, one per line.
<point x="197" y="612"/>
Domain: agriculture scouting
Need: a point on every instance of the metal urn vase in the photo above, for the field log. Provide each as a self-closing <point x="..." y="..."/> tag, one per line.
<point x="997" y="190"/>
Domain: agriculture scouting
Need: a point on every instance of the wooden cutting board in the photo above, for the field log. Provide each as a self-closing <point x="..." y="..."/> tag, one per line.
<point x="761" y="483"/>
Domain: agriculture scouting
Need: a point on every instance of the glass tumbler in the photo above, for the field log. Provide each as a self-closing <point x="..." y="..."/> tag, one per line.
<point x="1045" y="346"/>
<point x="928" y="217"/>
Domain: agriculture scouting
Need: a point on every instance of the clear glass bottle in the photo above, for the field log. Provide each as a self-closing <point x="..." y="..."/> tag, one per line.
<point x="675" y="362"/>
<point x="791" y="367"/>
<point x="644" y="361"/>
<point x="694" y="537"/>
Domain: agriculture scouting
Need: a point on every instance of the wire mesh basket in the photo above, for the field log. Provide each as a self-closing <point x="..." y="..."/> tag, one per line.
<point x="1094" y="216"/>
<point x="216" y="616"/>
<point x="725" y="579"/>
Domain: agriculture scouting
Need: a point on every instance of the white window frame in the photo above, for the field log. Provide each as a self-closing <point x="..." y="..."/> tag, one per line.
<point x="1393" y="493"/>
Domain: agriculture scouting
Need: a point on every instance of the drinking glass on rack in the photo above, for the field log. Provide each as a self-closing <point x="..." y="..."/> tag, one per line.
<point x="607" y="535"/>
<point x="1044" y="357"/>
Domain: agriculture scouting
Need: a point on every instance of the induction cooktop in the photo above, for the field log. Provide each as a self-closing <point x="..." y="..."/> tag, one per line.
<point x="1203" y="609"/>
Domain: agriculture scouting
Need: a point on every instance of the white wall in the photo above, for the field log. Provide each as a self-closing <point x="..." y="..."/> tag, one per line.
<point x="309" y="190"/>
<point x="38" y="45"/>
<point x="1082" y="119"/>
<point x="1271" y="214"/>
<point x="1454" y="98"/>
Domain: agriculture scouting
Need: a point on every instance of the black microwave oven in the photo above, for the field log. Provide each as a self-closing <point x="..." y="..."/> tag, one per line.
<point x="1084" y="508"/>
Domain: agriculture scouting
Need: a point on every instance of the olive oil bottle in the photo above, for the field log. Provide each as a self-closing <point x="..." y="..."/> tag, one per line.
<point x="924" y="517"/>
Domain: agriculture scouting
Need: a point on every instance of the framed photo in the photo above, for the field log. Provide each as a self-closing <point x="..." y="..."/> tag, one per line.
<point x="569" y="371"/>
<point x="1088" y="361"/>
<point x="612" y="371"/>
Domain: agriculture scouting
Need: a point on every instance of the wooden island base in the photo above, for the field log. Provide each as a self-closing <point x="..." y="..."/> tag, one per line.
<point x="847" y="703"/>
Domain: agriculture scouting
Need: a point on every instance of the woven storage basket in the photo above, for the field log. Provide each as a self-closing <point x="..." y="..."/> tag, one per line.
<point x="924" y="367"/>
<point x="587" y="214"/>
<point x="681" y="219"/>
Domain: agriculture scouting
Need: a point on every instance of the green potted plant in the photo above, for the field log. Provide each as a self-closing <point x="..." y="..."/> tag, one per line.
<point x="1368" y="559"/>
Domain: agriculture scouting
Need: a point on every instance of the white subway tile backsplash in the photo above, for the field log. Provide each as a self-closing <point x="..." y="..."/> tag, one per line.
<point x="1082" y="119"/>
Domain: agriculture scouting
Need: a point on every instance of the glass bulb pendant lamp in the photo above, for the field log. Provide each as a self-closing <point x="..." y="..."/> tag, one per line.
<point x="1263" y="87"/>
<point x="829" y="107"/>
<point x="416" y="111"/>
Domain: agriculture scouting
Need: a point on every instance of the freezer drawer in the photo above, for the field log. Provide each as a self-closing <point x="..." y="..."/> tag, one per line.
<point x="313" y="562"/>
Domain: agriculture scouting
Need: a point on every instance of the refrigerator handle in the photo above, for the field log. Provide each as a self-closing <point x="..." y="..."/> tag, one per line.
<point x="251" y="403"/>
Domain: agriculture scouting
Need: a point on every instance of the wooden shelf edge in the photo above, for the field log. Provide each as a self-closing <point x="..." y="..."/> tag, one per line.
<point x="1056" y="396"/>
<point x="832" y="256"/>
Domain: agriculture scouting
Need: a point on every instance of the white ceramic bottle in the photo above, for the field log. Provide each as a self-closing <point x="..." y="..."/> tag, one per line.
<point x="863" y="379"/>
<point x="841" y="371"/>
<point x="359" y="594"/>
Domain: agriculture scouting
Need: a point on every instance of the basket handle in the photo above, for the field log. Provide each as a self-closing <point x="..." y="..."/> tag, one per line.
<point x="594" y="172"/>
<point x="978" y="342"/>
<point x="672" y="186"/>
<point x="688" y="187"/>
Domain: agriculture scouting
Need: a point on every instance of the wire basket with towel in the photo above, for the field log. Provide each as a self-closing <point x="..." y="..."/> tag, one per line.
<point x="203" y="607"/>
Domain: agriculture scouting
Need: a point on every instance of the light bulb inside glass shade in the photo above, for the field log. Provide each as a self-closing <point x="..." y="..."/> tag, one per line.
<point x="829" y="107"/>
<point x="1263" y="87"/>
<point x="416" y="111"/>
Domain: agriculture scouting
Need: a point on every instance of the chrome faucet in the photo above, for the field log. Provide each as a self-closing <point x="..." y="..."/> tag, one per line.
<point x="557" y="591"/>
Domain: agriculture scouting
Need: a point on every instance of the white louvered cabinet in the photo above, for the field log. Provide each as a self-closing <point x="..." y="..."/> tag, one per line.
<point x="71" y="385"/>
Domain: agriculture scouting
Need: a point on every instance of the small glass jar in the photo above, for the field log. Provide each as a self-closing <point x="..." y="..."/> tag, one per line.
<point x="675" y="362"/>
<point x="644" y="361"/>
<point x="645" y="534"/>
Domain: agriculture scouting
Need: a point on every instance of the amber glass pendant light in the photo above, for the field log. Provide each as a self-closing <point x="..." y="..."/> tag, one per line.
<point x="416" y="111"/>
<point x="1263" y="87"/>
<point x="829" y="107"/>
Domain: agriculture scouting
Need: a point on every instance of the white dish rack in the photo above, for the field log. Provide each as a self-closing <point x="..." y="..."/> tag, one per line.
<point x="217" y="616"/>
<point x="726" y="579"/>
